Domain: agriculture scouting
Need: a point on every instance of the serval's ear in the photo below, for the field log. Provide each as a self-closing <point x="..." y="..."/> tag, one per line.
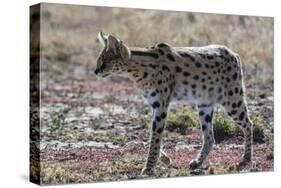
<point x="113" y="44"/>
<point x="125" y="51"/>
<point x="102" y="39"/>
<point x="118" y="47"/>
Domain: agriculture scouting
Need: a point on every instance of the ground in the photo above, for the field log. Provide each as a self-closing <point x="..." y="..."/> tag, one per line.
<point x="96" y="129"/>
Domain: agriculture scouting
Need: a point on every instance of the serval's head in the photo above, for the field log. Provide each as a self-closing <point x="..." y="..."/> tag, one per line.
<point x="113" y="56"/>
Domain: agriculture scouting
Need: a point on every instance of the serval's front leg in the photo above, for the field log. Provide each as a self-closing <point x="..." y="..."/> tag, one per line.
<point x="158" y="123"/>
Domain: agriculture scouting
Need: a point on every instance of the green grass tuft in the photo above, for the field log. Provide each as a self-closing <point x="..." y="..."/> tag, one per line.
<point x="183" y="120"/>
<point x="116" y="139"/>
<point x="259" y="129"/>
<point x="119" y="139"/>
<point x="224" y="127"/>
<point x="57" y="122"/>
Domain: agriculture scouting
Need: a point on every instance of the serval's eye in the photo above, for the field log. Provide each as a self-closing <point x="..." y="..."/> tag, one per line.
<point x="105" y="59"/>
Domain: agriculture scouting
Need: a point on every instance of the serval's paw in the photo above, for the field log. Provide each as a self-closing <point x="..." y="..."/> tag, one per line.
<point x="147" y="171"/>
<point x="194" y="163"/>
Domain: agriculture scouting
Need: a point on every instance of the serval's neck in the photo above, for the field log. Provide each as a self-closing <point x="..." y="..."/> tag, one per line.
<point x="144" y="55"/>
<point x="141" y="63"/>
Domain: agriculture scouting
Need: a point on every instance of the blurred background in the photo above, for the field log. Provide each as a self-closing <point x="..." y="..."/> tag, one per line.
<point x="97" y="129"/>
<point x="69" y="32"/>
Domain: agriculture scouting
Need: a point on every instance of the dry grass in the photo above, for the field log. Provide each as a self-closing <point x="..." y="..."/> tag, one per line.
<point x="69" y="32"/>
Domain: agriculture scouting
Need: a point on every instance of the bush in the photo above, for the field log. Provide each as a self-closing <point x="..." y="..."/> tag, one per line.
<point x="182" y="120"/>
<point x="224" y="127"/>
<point x="258" y="130"/>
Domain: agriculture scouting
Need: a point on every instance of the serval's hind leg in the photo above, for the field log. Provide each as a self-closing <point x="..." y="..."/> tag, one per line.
<point x="238" y="111"/>
<point x="205" y="117"/>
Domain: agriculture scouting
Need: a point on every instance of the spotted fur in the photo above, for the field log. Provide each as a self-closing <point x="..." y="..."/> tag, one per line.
<point x="205" y="76"/>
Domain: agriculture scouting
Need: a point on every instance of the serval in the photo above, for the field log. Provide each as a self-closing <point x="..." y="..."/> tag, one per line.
<point x="205" y="76"/>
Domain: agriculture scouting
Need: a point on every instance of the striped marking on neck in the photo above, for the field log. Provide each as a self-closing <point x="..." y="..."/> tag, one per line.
<point x="144" y="53"/>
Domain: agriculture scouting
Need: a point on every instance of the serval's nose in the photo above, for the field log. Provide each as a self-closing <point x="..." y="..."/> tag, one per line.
<point x="97" y="71"/>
